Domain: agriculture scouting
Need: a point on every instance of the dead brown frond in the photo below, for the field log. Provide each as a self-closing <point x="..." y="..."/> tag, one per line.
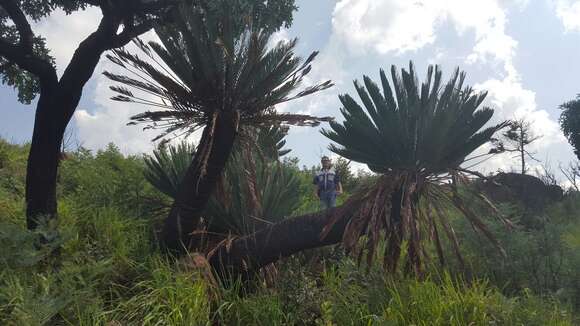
<point x="404" y="211"/>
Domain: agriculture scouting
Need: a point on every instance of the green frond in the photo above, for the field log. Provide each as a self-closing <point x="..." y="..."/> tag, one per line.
<point x="411" y="126"/>
<point x="416" y="136"/>
<point x="208" y="62"/>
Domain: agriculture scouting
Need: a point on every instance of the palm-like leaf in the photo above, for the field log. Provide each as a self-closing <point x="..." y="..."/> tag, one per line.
<point x="416" y="136"/>
<point x="246" y="202"/>
<point x="271" y="142"/>
<point x="167" y="167"/>
<point x="203" y="67"/>
<point x="269" y="185"/>
<point x="424" y="127"/>
<point x="209" y="73"/>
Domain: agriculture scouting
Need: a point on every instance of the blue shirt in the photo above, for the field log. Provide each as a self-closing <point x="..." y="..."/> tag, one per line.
<point x="326" y="180"/>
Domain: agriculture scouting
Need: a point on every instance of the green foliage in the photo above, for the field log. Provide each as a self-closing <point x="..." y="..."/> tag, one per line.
<point x="270" y="141"/>
<point x="267" y="15"/>
<point x="253" y="191"/>
<point x="570" y="123"/>
<point x="106" y="178"/>
<point x="167" y="167"/>
<point x="165" y="297"/>
<point x="24" y="82"/>
<point x="343" y="295"/>
<point x="12" y="75"/>
<point x="108" y="271"/>
<point x="248" y="201"/>
<point x="424" y="127"/>
<point x="544" y="259"/>
<point x="347" y="177"/>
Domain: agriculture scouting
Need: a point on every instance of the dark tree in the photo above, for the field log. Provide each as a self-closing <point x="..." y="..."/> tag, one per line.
<point x="570" y="123"/>
<point x="26" y="64"/>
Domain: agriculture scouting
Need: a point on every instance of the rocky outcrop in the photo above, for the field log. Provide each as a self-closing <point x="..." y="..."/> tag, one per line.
<point x="529" y="191"/>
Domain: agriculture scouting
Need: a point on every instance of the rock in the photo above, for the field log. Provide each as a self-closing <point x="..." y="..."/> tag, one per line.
<point x="530" y="191"/>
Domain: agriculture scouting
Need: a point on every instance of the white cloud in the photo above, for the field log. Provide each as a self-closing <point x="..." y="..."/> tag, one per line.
<point x="512" y="101"/>
<point x="399" y="26"/>
<point x="569" y="13"/>
<point x="108" y="121"/>
<point x="280" y="36"/>
<point x="383" y="26"/>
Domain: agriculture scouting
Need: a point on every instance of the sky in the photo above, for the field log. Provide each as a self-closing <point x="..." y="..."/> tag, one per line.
<point x="522" y="52"/>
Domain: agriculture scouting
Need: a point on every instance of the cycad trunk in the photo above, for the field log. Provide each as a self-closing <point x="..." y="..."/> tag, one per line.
<point x="247" y="254"/>
<point x="199" y="181"/>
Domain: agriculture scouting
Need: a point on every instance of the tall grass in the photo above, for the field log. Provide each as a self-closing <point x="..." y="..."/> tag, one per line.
<point x="109" y="271"/>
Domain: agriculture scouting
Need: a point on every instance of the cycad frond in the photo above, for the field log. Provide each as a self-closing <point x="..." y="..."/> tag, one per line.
<point x="412" y="126"/>
<point x="416" y="136"/>
<point x="167" y="167"/>
<point x="253" y="191"/>
<point x="203" y="66"/>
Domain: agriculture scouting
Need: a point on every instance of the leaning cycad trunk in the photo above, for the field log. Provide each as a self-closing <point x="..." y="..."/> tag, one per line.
<point x="200" y="180"/>
<point x="244" y="256"/>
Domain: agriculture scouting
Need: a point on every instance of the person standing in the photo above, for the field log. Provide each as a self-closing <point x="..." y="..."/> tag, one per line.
<point x="327" y="182"/>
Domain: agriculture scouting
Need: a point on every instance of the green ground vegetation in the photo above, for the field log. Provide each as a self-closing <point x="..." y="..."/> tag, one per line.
<point x="104" y="266"/>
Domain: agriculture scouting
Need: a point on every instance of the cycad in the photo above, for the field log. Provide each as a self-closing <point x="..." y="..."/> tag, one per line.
<point x="253" y="191"/>
<point x="209" y="74"/>
<point x="416" y="136"/>
<point x="167" y="166"/>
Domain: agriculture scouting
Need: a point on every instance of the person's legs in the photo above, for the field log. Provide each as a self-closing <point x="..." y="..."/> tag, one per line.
<point x="332" y="199"/>
<point x="325" y="200"/>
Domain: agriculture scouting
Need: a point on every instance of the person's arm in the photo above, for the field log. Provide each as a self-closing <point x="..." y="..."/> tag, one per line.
<point x="315" y="183"/>
<point x="338" y="184"/>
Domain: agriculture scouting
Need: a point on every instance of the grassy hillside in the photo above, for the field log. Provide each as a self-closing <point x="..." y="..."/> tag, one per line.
<point x="103" y="267"/>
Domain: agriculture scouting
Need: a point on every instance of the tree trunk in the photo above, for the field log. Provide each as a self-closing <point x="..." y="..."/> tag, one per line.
<point x="523" y="160"/>
<point x="522" y="148"/>
<point x="246" y="255"/>
<point x="56" y="105"/>
<point x="43" y="160"/>
<point x="199" y="182"/>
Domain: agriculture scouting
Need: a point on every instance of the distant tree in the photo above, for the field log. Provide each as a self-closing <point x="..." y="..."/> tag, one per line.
<point x="516" y="139"/>
<point x="570" y="123"/>
<point x="347" y="178"/>
<point x="572" y="174"/>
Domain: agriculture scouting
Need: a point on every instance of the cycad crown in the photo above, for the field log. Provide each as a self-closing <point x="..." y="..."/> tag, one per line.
<point x="205" y="66"/>
<point x="424" y="128"/>
<point x="416" y="137"/>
